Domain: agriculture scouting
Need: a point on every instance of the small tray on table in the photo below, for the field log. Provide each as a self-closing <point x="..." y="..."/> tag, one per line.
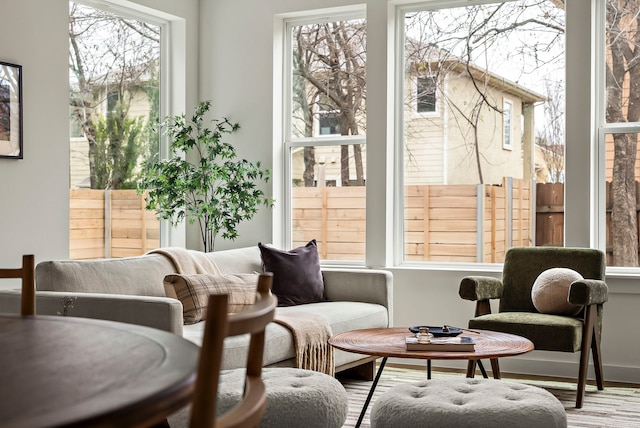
<point x="438" y="331"/>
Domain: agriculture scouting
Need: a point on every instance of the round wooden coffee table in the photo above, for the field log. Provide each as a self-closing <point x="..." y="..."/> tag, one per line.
<point x="390" y="342"/>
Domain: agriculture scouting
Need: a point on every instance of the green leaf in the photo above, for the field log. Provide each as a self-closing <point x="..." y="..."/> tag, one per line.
<point x="212" y="187"/>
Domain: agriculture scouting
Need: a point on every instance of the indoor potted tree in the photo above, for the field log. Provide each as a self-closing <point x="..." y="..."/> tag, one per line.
<point x="203" y="179"/>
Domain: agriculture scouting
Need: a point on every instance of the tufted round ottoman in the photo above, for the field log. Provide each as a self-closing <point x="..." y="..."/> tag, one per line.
<point x="295" y="397"/>
<point x="474" y="403"/>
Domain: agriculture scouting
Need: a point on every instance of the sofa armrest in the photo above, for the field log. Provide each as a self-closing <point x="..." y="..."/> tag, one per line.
<point x="162" y="313"/>
<point x="480" y="288"/>
<point x="588" y="292"/>
<point x="359" y="285"/>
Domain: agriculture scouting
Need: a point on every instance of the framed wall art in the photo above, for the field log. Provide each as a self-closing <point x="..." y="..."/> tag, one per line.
<point x="10" y="111"/>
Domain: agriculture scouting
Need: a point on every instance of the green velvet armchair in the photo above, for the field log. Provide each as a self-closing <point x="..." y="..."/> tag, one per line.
<point x="518" y="315"/>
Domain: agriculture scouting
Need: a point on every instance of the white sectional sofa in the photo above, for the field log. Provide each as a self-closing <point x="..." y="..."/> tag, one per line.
<point x="131" y="290"/>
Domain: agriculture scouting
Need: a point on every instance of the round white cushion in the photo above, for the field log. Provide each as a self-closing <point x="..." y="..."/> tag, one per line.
<point x="478" y="403"/>
<point x="550" y="291"/>
<point x="295" y="397"/>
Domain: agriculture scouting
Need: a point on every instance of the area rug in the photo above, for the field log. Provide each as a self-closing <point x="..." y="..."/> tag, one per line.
<point x="617" y="406"/>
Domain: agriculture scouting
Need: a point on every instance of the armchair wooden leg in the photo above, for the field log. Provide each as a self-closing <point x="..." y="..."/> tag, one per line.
<point x="587" y="340"/>
<point x="597" y="357"/>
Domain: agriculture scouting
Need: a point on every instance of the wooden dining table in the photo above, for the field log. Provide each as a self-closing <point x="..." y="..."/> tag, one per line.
<point x="79" y="372"/>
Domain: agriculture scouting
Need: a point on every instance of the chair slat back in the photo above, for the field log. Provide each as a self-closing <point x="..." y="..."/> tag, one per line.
<point x="522" y="265"/>
<point x="219" y="325"/>
<point x="26" y="273"/>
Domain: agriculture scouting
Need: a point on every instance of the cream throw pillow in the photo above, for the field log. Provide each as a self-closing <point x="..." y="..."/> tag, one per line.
<point x="193" y="291"/>
<point x="550" y="292"/>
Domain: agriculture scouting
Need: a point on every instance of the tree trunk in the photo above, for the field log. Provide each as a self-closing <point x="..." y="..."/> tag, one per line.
<point x="309" y="163"/>
<point x="623" y="215"/>
<point x="624" y="235"/>
<point x="357" y="158"/>
<point x="344" y="165"/>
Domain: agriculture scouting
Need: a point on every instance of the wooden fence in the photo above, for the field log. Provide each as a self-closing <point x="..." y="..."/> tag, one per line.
<point x="550" y="216"/>
<point x="466" y="223"/>
<point x="442" y="222"/>
<point x="334" y="216"/>
<point x="111" y="223"/>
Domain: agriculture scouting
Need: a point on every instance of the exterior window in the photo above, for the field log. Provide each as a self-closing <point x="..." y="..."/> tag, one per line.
<point x="329" y="123"/>
<point x="465" y="198"/>
<point x="75" y="127"/>
<point x="114" y="80"/>
<point x="113" y="103"/>
<point x="426" y="94"/>
<point x="620" y="123"/>
<point x="326" y="93"/>
<point x="507" y="121"/>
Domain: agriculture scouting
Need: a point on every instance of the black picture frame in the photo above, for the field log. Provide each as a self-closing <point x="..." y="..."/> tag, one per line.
<point x="11" y="111"/>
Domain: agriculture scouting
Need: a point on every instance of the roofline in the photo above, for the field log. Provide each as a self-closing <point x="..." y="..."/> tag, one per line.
<point x="526" y="95"/>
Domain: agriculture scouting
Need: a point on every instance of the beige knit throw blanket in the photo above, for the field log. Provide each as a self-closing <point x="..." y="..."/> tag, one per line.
<point x="188" y="261"/>
<point x="310" y="332"/>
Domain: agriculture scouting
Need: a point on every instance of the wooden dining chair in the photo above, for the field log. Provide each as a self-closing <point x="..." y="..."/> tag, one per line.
<point x="26" y="273"/>
<point x="219" y="325"/>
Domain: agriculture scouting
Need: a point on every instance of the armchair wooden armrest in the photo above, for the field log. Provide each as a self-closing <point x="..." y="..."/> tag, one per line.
<point x="481" y="289"/>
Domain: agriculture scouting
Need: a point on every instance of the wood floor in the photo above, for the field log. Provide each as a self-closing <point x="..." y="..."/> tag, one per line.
<point x="618" y="406"/>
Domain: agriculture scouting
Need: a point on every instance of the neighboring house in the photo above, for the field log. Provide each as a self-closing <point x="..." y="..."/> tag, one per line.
<point x="439" y="140"/>
<point x="79" y="174"/>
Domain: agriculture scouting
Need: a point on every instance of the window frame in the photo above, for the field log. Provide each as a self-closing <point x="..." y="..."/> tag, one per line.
<point x="172" y="92"/>
<point x="602" y="129"/>
<point x="402" y="7"/>
<point x="287" y="141"/>
<point x="584" y="164"/>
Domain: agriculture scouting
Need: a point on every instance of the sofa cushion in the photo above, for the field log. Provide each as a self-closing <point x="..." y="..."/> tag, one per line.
<point x="547" y="332"/>
<point x="129" y="275"/>
<point x="279" y="347"/>
<point x="297" y="278"/>
<point x="238" y="260"/>
<point x="194" y="290"/>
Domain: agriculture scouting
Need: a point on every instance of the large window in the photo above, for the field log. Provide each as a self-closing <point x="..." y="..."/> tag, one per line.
<point x="620" y="125"/>
<point x="325" y="89"/>
<point x="489" y="65"/>
<point x="114" y="80"/>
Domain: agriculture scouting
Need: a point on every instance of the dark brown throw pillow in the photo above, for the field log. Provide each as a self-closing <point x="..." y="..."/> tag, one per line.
<point x="297" y="278"/>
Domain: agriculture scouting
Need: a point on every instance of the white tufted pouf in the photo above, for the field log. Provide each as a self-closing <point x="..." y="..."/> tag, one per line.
<point x="295" y="397"/>
<point x="478" y="403"/>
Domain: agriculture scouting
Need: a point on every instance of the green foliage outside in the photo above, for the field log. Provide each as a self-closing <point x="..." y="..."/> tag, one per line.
<point x="211" y="186"/>
<point x="119" y="142"/>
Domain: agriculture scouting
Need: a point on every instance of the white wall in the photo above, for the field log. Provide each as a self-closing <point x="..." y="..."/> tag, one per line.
<point x="236" y="64"/>
<point x="34" y="217"/>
